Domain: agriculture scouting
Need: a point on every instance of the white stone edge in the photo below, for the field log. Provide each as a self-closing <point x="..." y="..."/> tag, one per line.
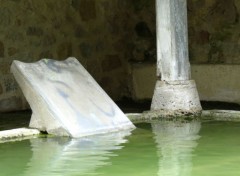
<point x="17" y="134"/>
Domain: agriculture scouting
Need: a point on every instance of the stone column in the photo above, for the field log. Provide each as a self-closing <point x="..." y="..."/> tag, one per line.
<point x="175" y="92"/>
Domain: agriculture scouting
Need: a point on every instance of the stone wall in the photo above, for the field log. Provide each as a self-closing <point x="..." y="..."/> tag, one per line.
<point x="107" y="36"/>
<point x="100" y="33"/>
<point x="214" y="31"/>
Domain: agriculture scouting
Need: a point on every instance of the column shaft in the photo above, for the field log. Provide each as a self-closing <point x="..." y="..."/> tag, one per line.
<point x="172" y="40"/>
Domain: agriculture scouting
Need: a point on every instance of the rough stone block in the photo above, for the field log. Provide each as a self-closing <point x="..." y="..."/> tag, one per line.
<point x="66" y="100"/>
<point x="176" y="97"/>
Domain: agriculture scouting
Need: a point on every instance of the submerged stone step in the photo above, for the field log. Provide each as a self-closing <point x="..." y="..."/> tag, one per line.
<point x="66" y="100"/>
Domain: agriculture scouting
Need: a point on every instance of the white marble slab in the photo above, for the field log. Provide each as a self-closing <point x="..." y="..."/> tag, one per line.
<point x="66" y="100"/>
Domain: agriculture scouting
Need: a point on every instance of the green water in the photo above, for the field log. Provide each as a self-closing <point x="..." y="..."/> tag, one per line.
<point x="157" y="149"/>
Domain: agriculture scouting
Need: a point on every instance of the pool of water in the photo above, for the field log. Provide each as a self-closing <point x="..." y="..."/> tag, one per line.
<point x="153" y="149"/>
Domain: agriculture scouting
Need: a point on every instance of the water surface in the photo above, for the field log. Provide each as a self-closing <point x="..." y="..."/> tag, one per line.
<point x="156" y="149"/>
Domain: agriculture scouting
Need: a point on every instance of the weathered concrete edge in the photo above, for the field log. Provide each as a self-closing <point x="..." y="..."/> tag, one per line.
<point x="221" y="115"/>
<point x="211" y="115"/>
<point x="17" y="134"/>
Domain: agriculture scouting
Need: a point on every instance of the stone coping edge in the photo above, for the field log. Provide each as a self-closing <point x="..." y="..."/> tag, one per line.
<point x="217" y="115"/>
<point x="17" y="134"/>
<point x="206" y="115"/>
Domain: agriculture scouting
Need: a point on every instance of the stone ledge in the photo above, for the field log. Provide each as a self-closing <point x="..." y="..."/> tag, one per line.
<point x="212" y="115"/>
<point x="17" y="134"/>
<point x="221" y="115"/>
<point x="162" y="115"/>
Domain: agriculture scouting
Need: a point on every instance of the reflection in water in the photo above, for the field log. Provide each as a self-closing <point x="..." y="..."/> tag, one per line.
<point x="175" y="142"/>
<point x="65" y="156"/>
<point x="14" y="157"/>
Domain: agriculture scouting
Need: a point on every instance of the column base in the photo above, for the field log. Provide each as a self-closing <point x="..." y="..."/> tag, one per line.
<point x="176" y="98"/>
